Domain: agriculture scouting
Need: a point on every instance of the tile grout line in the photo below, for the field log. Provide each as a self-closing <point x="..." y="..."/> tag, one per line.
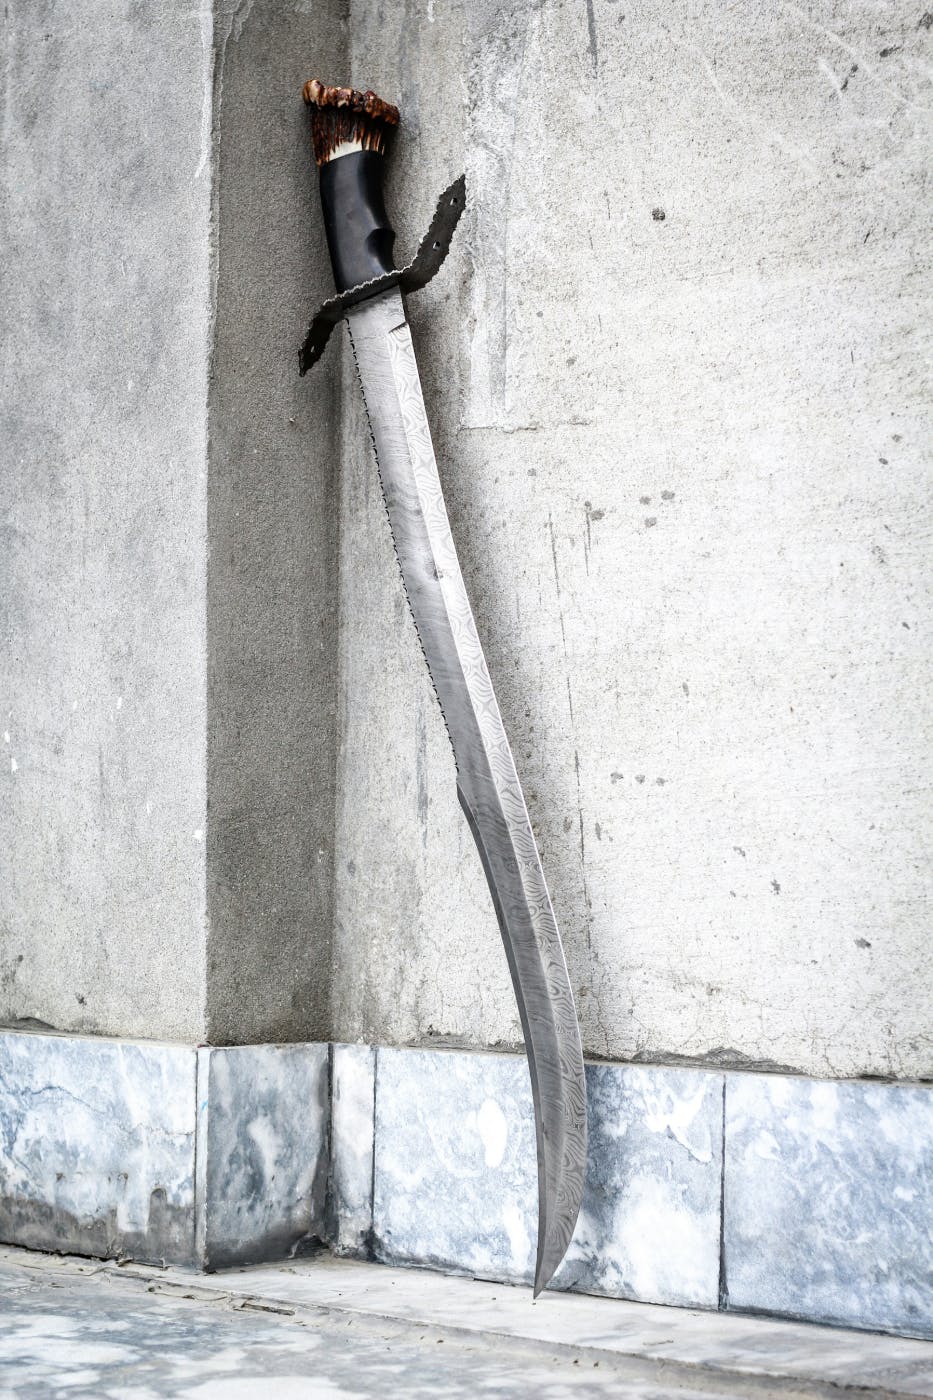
<point x="723" y="1302"/>
<point x="371" y="1233"/>
<point x="196" y="1157"/>
<point x="331" y="1224"/>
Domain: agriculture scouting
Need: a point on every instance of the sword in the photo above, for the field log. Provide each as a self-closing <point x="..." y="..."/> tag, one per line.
<point x="351" y="132"/>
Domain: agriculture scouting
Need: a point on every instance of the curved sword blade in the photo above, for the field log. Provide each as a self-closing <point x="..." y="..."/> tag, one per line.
<point x="487" y="782"/>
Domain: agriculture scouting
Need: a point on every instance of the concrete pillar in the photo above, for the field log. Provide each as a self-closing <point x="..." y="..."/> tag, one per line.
<point x="168" y="623"/>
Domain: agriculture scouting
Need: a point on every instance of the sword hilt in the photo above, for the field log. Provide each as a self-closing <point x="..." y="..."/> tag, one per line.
<point x="351" y="132"/>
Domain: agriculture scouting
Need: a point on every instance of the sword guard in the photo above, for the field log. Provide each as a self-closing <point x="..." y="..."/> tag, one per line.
<point x="432" y="251"/>
<point x="351" y="132"/>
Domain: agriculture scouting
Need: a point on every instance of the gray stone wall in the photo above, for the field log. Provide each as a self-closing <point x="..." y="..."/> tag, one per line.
<point x="167" y="677"/>
<point x="673" y="368"/>
<point x="105" y="350"/>
<point x="272" y="520"/>
<point x="673" y="371"/>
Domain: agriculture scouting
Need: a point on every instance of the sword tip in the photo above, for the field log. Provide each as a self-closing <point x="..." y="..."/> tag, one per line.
<point x="547" y="1261"/>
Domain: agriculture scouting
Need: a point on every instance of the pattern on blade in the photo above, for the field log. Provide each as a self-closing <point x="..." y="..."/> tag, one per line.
<point x="492" y="796"/>
<point x="398" y="558"/>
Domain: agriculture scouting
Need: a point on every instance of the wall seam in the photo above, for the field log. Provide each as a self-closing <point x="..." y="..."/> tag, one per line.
<point x="216" y="78"/>
<point x="723" y="1278"/>
<point x="370" y="1241"/>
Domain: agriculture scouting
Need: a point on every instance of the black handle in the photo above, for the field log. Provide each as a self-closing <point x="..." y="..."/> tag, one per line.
<point x="359" y="235"/>
<point x="351" y="132"/>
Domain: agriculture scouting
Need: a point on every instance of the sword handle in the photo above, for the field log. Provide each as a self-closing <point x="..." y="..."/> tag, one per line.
<point x="350" y="133"/>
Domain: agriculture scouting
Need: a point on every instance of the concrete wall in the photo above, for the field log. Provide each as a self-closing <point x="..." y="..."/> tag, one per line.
<point x="102" y="562"/>
<point x="272" y="519"/>
<point x="166" y="680"/>
<point x="673" y="370"/>
<point x="674" y="374"/>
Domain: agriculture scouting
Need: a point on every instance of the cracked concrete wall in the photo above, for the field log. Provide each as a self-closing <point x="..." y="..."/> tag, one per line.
<point x="167" y="674"/>
<point x="675" y="376"/>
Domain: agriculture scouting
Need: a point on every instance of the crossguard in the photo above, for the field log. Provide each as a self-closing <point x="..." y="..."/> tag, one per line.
<point x="351" y="133"/>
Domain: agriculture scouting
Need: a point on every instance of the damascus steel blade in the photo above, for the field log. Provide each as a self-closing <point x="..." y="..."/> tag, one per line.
<point x="487" y="782"/>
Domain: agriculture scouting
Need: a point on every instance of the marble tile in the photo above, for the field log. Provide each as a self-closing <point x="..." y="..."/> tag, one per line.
<point x="262" y="1151"/>
<point x="828" y="1201"/>
<point x="236" y="1155"/>
<point x="456" y="1180"/>
<point x="650" y="1220"/>
<point x="352" y="1095"/>
<point x="97" y="1146"/>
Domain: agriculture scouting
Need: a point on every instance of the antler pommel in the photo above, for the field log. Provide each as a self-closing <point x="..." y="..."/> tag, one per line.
<point x="345" y="120"/>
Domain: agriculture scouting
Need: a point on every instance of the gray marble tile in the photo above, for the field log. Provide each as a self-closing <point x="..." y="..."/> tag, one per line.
<point x="97" y="1146"/>
<point x="352" y="1095"/>
<point x="650" y="1218"/>
<point x="428" y="1157"/>
<point x="828" y="1201"/>
<point x="262" y="1151"/>
<point x="456" y="1181"/>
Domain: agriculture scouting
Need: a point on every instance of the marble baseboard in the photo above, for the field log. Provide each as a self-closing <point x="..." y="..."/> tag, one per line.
<point x="162" y="1153"/>
<point x="353" y="1083"/>
<point x="748" y="1192"/>
<point x="97" y="1145"/>
<point x="262" y="1151"/>
<point x="821" y="1211"/>
<point x="455" y="1180"/>
<point x="454" y="1174"/>
<point x="829" y="1201"/>
<point x="649" y="1226"/>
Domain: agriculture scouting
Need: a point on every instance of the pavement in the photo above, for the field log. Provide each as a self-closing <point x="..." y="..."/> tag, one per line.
<point x="332" y="1329"/>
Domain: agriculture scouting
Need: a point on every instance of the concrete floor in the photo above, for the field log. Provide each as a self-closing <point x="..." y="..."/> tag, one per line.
<point x="339" y="1330"/>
